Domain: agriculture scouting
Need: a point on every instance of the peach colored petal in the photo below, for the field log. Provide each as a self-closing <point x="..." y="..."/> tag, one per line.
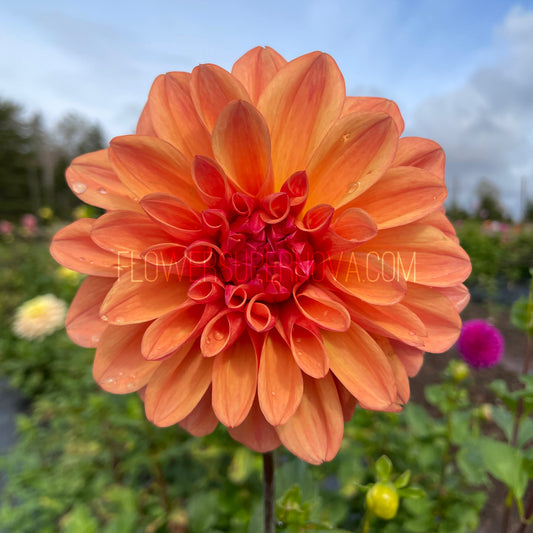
<point x="201" y="420"/>
<point x="280" y="383"/>
<point x="438" y="314"/>
<point x="211" y="182"/>
<point x="255" y="432"/>
<point x="402" y="195"/>
<point x="421" y="153"/>
<point x="119" y="366"/>
<point x="256" y="68"/>
<point x="93" y="180"/>
<point x="439" y="220"/>
<point x="367" y="277"/>
<point x="411" y="357"/>
<point x="299" y="105"/>
<point x="221" y="332"/>
<point x="376" y="104"/>
<point x="421" y="254"/>
<point x="178" y="386"/>
<point x="241" y="144"/>
<point x="83" y="323"/>
<point x="400" y="374"/>
<point x="360" y="365"/>
<point x="146" y="165"/>
<point x="314" y="432"/>
<point x="234" y="382"/>
<point x="141" y="294"/>
<point x="174" y="117"/>
<point x="127" y="232"/>
<point x="73" y="248"/>
<point x="144" y="124"/>
<point x="354" y="154"/>
<point x="458" y="295"/>
<point x="212" y="88"/>
<point x="353" y="227"/>
<point x="347" y="399"/>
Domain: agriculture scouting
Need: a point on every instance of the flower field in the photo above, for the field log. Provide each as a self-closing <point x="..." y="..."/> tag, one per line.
<point x="88" y="461"/>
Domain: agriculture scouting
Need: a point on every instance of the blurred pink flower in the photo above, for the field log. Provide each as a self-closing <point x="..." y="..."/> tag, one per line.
<point x="6" y="228"/>
<point x="480" y="344"/>
<point x="29" y="223"/>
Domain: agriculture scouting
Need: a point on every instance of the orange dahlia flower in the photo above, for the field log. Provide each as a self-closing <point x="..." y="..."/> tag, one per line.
<point x="272" y="254"/>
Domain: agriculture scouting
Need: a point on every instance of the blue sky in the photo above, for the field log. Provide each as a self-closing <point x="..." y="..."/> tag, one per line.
<point x="461" y="71"/>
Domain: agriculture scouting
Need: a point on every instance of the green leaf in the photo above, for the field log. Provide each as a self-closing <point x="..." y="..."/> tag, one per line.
<point x="412" y="493"/>
<point x="504" y="420"/>
<point x="202" y="509"/>
<point x="470" y="462"/>
<point x="421" y="424"/>
<point x="460" y="426"/>
<point x="403" y="480"/>
<point x="522" y="315"/>
<point x="506" y="464"/>
<point x="525" y="432"/>
<point x="383" y="468"/>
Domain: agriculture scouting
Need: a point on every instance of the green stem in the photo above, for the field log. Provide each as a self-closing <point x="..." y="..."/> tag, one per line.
<point x="366" y="522"/>
<point x="268" y="491"/>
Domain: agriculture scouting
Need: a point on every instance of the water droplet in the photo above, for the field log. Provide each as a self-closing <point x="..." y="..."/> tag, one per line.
<point x="119" y="319"/>
<point x="352" y="187"/>
<point x="101" y="190"/>
<point x="346" y="136"/>
<point x="78" y="187"/>
<point x="412" y="332"/>
<point x="105" y="318"/>
<point x="299" y="353"/>
<point x="298" y="340"/>
<point x="273" y="393"/>
<point x="95" y="338"/>
<point x="208" y="340"/>
<point x="218" y="335"/>
<point x="82" y="258"/>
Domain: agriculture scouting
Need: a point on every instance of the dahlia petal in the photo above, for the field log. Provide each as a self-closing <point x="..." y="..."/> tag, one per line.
<point x="221" y="332"/>
<point x="318" y="305"/>
<point x="178" y="386"/>
<point x="353" y="227"/>
<point x="255" y="432"/>
<point x="375" y="104"/>
<point x="92" y="179"/>
<point x="317" y="220"/>
<point x="144" y="124"/>
<point x="429" y="256"/>
<point x="174" y="117"/>
<point x="280" y="382"/>
<point x="83" y="323"/>
<point x="439" y="220"/>
<point x="438" y="314"/>
<point x="314" y="432"/>
<point x="206" y="289"/>
<point x="169" y="257"/>
<point x="119" y="366"/>
<point x="299" y="105"/>
<point x="142" y="294"/>
<point x="256" y="68"/>
<point x="174" y="216"/>
<point x="402" y="195"/>
<point x="126" y="232"/>
<point x="147" y="164"/>
<point x="234" y="382"/>
<point x="171" y="331"/>
<point x="458" y="295"/>
<point x="259" y="316"/>
<point x="400" y="374"/>
<point x="241" y="144"/>
<point x="421" y="153"/>
<point x="211" y="182"/>
<point x="411" y="357"/>
<point x="297" y="187"/>
<point x="276" y="207"/>
<point x="73" y="248"/>
<point x="347" y="399"/>
<point x="361" y="366"/>
<point x="201" y="420"/>
<point x="354" y="154"/>
<point x="212" y="88"/>
<point x="367" y="277"/>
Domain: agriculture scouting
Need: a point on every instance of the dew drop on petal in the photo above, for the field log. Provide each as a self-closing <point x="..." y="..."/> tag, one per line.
<point x="101" y="190"/>
<point x="218" y="335"/>
<point x="353" y="186"/>
<point x="273" y="393"/>
<point x="119" y="319"/>
<point x="96" y="337"/>
<point x="82" y="258"/>
<point x="104" y="318"/>
<point x="78" y="187"/>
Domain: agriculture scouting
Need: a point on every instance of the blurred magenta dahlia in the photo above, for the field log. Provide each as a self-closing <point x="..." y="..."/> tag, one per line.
<point x="273" y="253"/>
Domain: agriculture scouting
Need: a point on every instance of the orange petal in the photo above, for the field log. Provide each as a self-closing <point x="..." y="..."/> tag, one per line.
<point x="402" y="195"/>
<point x="171" y="331"/>
<point x="421" y="254"/>
<point x="221" y="332"/>
<point x="256" y="68"/>
<point x="142" y="294"/>
<point x="211" y="182"/>
<point x="174" y="117"/>
<point x="438" y="314"/>
<point x="73" y="248"/>
<point x="280" y="383"/>
<point x="400" y="375"/>
<point x="212" y="88"/>
<point x="300" y="104"/>
<point x="260" y="316"/>
<point x="421" y="153"/>
<point x="119" y="366"/>
<point x="144" y="124"/>
<point x="354" y="154"/>
<point x="458" y="295"/>
<point x="241" y="144"/>
<point x="361" y="366"/>
<point x="83" y="323"/>
<point x="178" y="386"/>
<point x="127" y="232"/>
<point x="255" y="432"/>
<point x="201" y="420"/>
<point x="347" y="399"/>
<point x="148" y="164"/>
<point x="234" y="382"/>
<point x="92" y="179"/>
<point x="353" y="227"/>
<point x="376" y="104"/>
<point x="411" y="357"/>
<point x="439" y="220"/>
<point x="314" y="432"/>
<point x="367" y="277"/>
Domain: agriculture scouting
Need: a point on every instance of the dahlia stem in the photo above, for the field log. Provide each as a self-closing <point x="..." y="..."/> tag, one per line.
<point x="268" y="491"/>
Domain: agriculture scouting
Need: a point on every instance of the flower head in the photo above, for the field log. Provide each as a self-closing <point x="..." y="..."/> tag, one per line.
<point x="480" y="344"/>
<point x="273" y="253"/>
<point x="6" y="228"/>
<point x="39" y="317"/>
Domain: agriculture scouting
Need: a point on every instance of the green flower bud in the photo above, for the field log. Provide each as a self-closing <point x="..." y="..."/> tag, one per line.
<point x="382" y="499"/>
